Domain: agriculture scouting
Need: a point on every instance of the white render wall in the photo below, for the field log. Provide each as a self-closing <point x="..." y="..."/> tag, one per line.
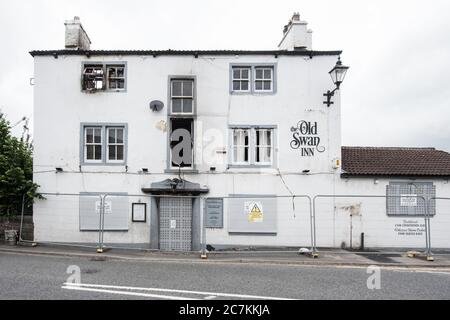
<point x="60" y="106"/>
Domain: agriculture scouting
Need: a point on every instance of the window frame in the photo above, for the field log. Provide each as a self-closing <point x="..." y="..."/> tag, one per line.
<point x="248" y="146"/>
<point x="252" y="85"/>
<point x="115" y="144"/>
<point x="104" y="144"/>
<point x="263" y="80"/>
<point x="86" y="144"/>
<point x="105" y="85"/>
<point x="182" y="97"/>
<point x="256" y="145"/>
<point x="248" y="79"/>
<point x="252" y="146"/>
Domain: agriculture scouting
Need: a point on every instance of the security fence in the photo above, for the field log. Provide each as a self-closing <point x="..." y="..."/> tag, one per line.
<point x="243" y="223"/>
<point x="361" y="222"/>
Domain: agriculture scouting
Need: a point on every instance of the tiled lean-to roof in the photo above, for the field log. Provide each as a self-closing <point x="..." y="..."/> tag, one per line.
<point x="371" y="161"/>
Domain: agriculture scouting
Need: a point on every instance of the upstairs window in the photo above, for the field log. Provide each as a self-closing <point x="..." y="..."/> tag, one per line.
<point x="93" y="77"/>
<point x="93" y="144"/>
<point x="241" y="79"/>
<point x="103" y="77"/>
<point x="253" y="79"/>
<point x="241" y="146"/>
<point x="263" y="146"/>
<point x="263" y="79"/>
<point x="115" y="144"/>
<point x="103" y="144"/>
<point x="116" y="77"/>
<point x="252" y="146"/>
<point x="182" y="96"/>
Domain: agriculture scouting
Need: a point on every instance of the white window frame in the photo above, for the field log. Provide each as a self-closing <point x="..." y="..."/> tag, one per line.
<point x="265" y="146"/>
<point x="108" y="78"/>
<point x="263" y="80"/>
<point x="191" y="97"/>
<point x="248" y="146"/>
<point x="252" y="147"/>
<point x="108" y="144"/>
<point x="241" y="79"/>
<point x="86" y="144"/>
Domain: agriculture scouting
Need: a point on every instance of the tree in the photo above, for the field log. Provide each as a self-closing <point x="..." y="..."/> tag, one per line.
<point x="16" y="172"/>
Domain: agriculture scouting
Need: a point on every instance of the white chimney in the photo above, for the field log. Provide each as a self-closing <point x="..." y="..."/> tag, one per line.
<point x="76" y="37"/>
<point x="296" y="35"/>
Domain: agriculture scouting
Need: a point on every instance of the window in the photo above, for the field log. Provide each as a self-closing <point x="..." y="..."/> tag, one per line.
<point x="93" y="144"/>
<point x="116" y="77"/>
<point x="103" y="144"/>
<point x="408" y="198"/>
<point x="103" y="76"/>
<point x="93" y="77"/>
<point x="263" y="79"/>
<point x="181" y="143"/>
<point x="263" y="146"/>
<point x="115" y="144"/>
<point x="240" y="146"/>
<point x="241" y="79"/>
<point x="182" y="96"/>
<point x="255" y="78"/>
<point x="252" y="146"/>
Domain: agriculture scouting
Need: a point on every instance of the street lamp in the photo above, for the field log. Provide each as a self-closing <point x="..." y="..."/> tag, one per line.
<point x="337" y="75"/>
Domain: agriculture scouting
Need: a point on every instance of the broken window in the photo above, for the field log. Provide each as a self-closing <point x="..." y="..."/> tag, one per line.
<point x="93" y="77"/>
<point x="263" y="146"/>
<point x="181" y="142"/>
<point x="240" y="146"/>
<point x="116" y="77"/>
<point x="252" y="146"/>
<point x="99" y="76"/>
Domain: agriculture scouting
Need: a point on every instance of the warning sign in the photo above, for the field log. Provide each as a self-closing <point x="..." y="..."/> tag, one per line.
<point x="254" y="210"/>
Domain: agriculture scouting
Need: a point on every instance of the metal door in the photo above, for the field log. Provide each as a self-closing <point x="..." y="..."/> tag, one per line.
<point x="175" y="224"/>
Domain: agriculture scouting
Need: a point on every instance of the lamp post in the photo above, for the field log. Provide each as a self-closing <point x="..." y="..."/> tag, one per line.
<point x="337" y="75"/>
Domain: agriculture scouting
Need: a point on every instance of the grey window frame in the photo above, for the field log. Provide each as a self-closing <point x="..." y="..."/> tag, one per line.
<point x="252" y="146"/>
<point x="170" y="115"/>
<point x="253" y="67"/>
<point x="104" y="127"/>
<point x="393" y="208"/>
<point x="105" y="65"/>
<point x="194" y="95"/>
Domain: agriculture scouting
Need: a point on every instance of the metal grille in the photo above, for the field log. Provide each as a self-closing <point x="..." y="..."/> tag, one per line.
<point x="175" y="224"/>
<point x="397" y="202"/>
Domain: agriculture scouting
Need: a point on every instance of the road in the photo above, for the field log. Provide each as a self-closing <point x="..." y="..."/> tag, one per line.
<point x="24" y="276"/>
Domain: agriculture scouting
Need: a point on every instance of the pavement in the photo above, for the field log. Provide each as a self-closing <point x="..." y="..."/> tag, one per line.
<point x="327" y="257"/>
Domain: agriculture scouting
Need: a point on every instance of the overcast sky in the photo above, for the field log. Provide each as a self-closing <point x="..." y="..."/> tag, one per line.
<point x="397" y="92"/>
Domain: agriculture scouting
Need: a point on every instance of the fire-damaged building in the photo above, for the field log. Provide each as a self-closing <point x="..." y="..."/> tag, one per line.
<point x="246" y="144"/>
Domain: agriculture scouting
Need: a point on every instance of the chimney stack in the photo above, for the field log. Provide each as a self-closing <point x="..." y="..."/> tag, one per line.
<point x="76" y="37"/>
<point x="296" y="35"/>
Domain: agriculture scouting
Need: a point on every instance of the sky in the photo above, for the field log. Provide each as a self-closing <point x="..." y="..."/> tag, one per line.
<point x="396" y="93"/>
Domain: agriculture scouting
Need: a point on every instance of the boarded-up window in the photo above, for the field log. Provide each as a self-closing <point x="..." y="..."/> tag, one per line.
<point x="116" y="215"/>
<point x="407" y="198"/>
<point x="252" y="214"/>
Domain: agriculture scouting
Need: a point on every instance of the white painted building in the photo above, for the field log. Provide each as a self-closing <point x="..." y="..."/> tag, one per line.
<point x="260" y="132"/>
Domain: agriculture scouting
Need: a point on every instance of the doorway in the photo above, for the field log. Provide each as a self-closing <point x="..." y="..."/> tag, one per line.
<point x="175" y="224"/>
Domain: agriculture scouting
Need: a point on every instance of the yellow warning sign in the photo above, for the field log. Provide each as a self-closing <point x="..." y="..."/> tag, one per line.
<point x="254" y="211"/>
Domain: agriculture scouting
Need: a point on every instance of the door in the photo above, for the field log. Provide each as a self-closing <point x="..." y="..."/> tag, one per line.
<point x="175" y="224"/>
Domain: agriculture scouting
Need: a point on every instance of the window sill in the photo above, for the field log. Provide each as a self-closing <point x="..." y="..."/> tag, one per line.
<point x="194" y="171"/>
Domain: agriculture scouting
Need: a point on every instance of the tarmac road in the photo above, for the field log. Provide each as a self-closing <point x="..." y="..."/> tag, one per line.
<point x="24" y="276"/>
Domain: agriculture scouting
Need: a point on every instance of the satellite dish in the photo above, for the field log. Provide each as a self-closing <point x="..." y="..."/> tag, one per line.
<point x="156" y="105"/>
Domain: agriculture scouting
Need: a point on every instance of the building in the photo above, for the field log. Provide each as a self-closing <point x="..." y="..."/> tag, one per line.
<point x="246" y="129"/>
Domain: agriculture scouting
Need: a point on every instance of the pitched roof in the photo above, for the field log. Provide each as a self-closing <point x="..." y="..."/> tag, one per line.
<point x="370" y="161"/>
<point x="195" y="53"/>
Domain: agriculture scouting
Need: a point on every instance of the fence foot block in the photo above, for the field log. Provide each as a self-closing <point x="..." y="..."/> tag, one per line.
<point x="203" y="256"/>
<point x="313" y="255"/>
<point x="412" y="254"/>
<point x="430" y="258"/>
<point x="101" y="250"/>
